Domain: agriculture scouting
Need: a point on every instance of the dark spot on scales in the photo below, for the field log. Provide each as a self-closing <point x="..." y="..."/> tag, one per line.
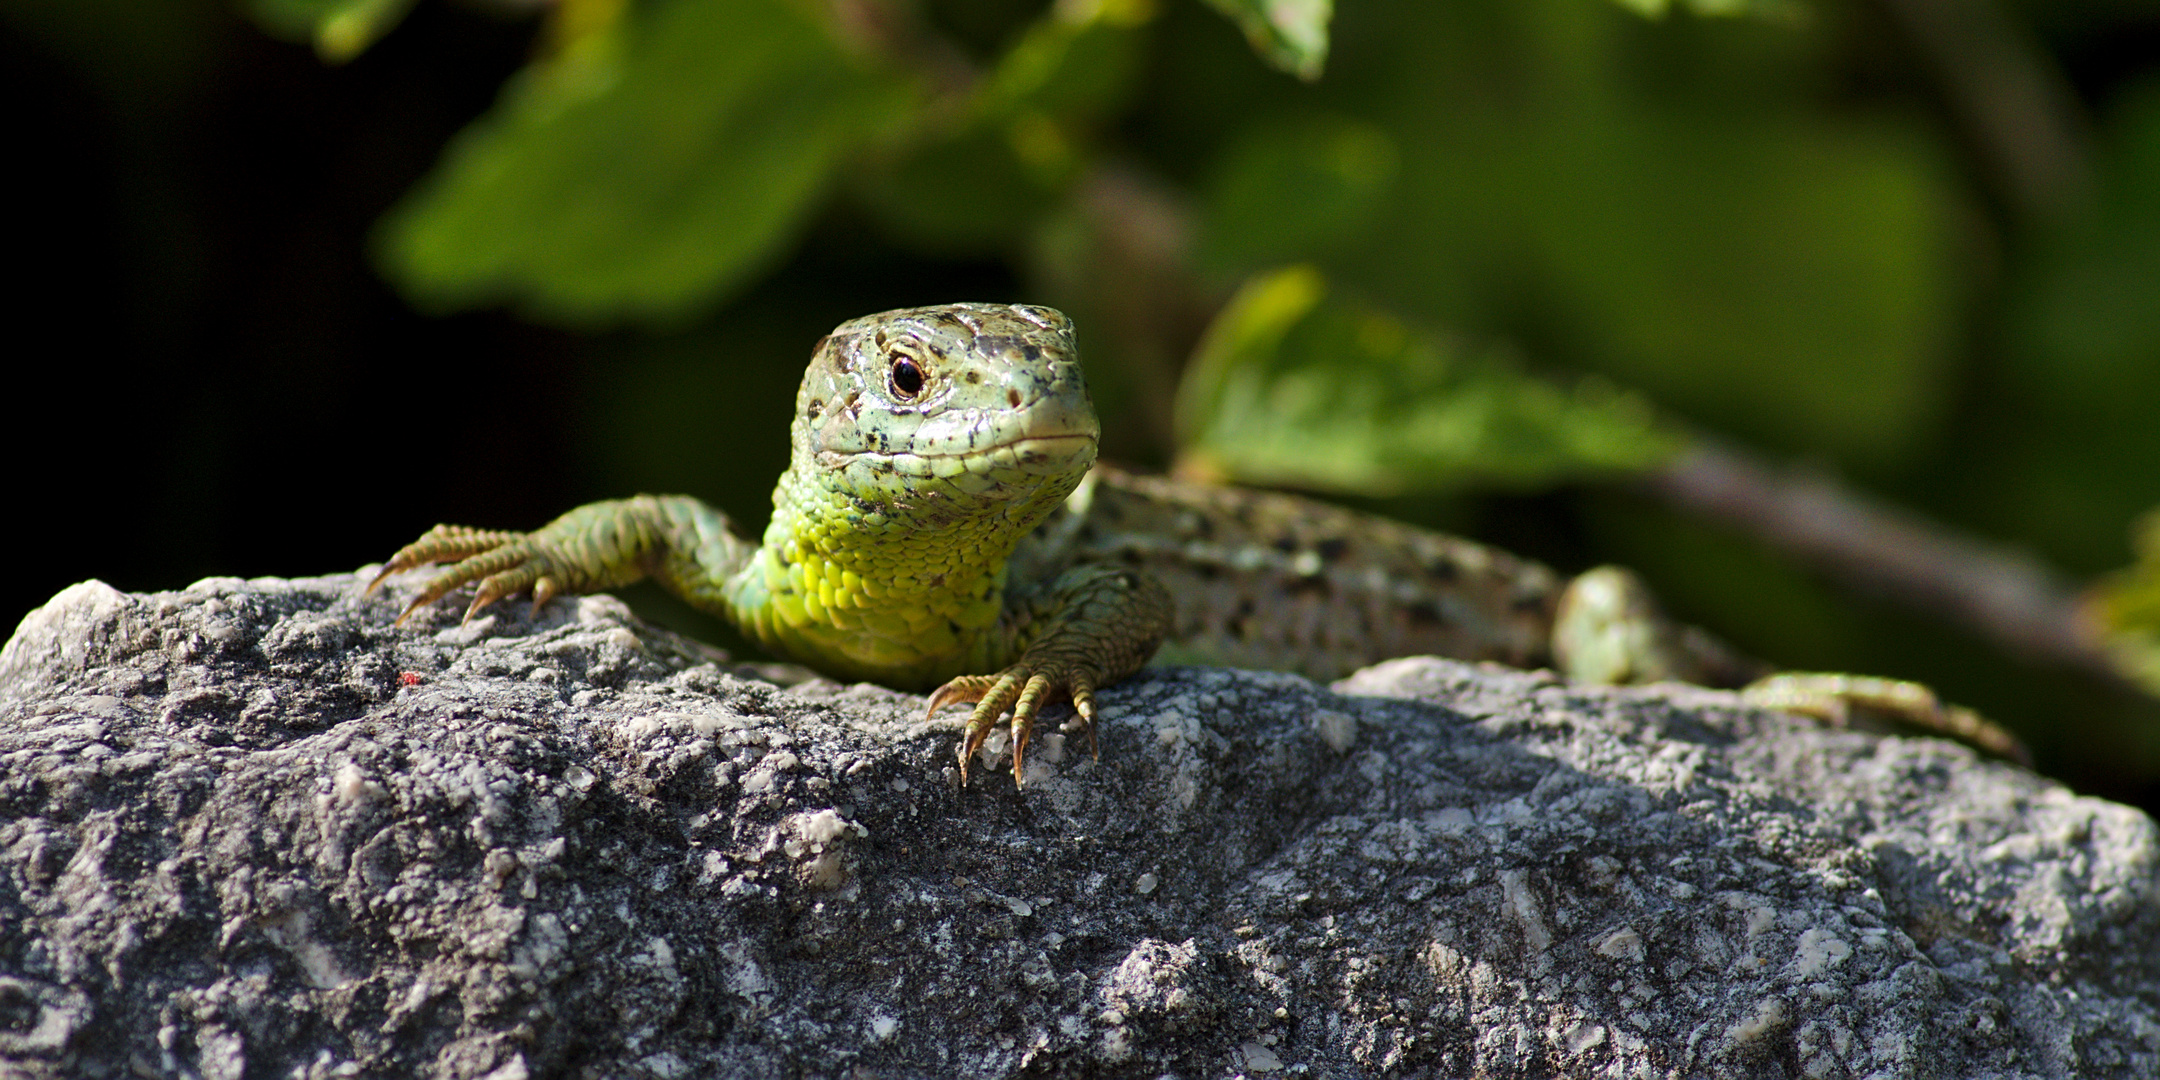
<point x="1333" y="548"/>
<point x="1285" y="544"/>
<point x="1423" y="614"/>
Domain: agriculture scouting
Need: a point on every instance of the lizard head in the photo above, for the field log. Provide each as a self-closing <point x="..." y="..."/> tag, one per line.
<point x="965" y="405"/>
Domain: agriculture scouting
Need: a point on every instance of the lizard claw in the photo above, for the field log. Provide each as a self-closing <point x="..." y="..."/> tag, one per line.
<point x="1022" y="688"/>
<point x="503" y="563"/>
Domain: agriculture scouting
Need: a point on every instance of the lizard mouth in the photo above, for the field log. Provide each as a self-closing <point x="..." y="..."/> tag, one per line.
<point x="1050" y="453"/>
<point x="1039" y="449"/>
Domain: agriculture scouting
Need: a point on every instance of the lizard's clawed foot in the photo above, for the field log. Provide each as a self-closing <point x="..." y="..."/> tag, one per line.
<point x="1833" y="698"/>
<point x="1022" y="688"/>
<point x="504" y="563"/>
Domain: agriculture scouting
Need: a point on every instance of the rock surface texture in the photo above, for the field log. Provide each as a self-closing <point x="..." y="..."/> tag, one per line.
<point x="250" y="829"/>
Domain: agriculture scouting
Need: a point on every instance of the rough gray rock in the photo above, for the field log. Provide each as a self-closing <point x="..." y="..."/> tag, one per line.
<point x="251" y="830"/>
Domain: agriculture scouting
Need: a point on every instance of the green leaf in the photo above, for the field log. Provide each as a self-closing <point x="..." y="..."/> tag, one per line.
<point x="2128" y="605"/>
<point x="1290" y="34"/>
<point x="645" y="176"/>
<point x="1291" y="388"/>
<point x="340" y="29"/>
<point x="1290" y="187"/>
<point x="1075" y="62"/>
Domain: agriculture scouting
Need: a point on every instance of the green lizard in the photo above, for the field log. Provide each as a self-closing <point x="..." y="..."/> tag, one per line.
<point x="943" y="526"/>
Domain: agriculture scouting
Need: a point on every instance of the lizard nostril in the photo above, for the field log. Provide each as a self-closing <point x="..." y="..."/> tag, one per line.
<point x="1013" y="396"/>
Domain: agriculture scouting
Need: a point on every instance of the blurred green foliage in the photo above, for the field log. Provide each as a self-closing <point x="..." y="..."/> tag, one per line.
<point x="647" y="170"/>
<point x="340" y="29"/>
<point x="1294" y="388"/>
<point x="2128" y="604"/>
<point x="2078" y="422"/>
<point x="1511" y="226"/>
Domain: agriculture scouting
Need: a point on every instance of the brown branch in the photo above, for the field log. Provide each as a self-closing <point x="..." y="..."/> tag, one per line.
<point x="2000" y="593"/>
<point x="2008" y="99"/>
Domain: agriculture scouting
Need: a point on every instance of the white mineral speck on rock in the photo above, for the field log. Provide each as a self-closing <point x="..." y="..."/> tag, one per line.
<point x="1337" y="730"/>
<point x="1258" y="1058"/>
<point x="1145" y="884"/>
<point x="826" y="826"/>
<point x="353" y="788"/>
<point x="1770" y="1016"/>
<point x="666" y="1066"/>
<point x="1819" y="951"/>
<point x="513" y="1069"/>
<point x="1622" y="944"/>
<point x="1170" y="727"/>
<point x="1584" y="1036"/>
<point x="1524" y="904"/>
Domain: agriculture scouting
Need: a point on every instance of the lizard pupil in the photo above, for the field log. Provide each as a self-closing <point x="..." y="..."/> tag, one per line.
<point x="907" y="378"/>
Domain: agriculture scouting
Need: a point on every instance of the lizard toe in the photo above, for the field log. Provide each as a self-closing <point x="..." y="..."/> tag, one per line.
<point x="1024" y="711"/>
<point x="1833" y="699"/>
<point x="965" y="690"/>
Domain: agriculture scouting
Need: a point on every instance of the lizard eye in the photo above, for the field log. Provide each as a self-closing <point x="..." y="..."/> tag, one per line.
<point x="907" y="378"/>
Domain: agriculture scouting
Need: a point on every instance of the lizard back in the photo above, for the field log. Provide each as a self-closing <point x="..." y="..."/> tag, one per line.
<point x="1268" y="580"/>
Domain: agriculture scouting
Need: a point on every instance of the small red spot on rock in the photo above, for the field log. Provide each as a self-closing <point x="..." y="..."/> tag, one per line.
<point x="408" y="678"/>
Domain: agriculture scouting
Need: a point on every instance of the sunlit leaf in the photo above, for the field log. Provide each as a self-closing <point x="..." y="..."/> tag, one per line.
<point x="643" y="182"/>
<point x="340" y="29"/>
<point x="2128" y="605"/>
<point x="1290" y="34"/>
<point x="1294" y="388"/>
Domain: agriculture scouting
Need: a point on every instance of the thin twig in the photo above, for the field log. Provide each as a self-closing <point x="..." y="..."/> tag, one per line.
<point x="2000" y="593"/>
<point x="2007" y="97"/>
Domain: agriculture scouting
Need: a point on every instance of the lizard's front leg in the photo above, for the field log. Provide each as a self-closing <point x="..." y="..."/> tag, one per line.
<point x="1098" y="624"/>
<point x="681" y="541"/>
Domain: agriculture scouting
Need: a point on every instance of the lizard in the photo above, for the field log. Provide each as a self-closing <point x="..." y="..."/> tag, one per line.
<point x="943" y="526"/>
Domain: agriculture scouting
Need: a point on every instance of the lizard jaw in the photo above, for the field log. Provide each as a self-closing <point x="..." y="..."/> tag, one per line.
<point x="1033" y="455"/>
